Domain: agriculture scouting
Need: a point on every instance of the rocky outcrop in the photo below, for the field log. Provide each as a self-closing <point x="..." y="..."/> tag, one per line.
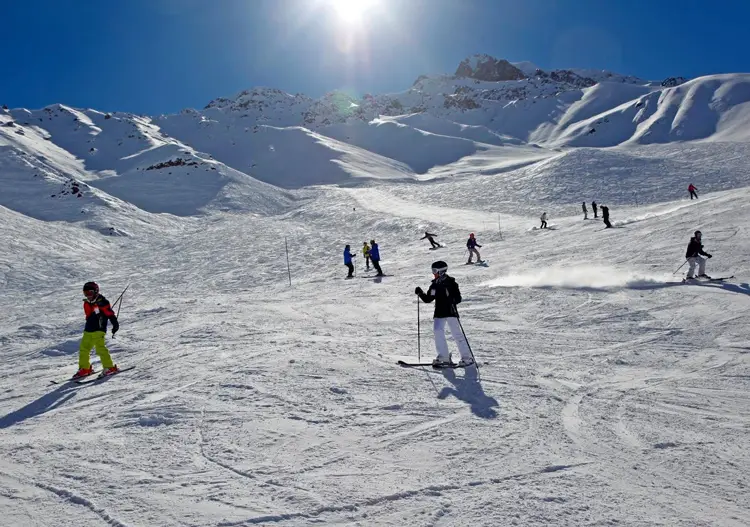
<point x="486" y="68"/>
<point x="569" y="77"/>
<point x="670" y="82"/>
<point x="179" y="162"/>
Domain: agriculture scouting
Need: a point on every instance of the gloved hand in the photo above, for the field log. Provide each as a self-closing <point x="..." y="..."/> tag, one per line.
<point x="708" y="255"/>
<point x="418" y="291"/>
<point x="115" y="328"/>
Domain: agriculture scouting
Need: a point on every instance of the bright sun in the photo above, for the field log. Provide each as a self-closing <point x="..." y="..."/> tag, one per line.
<point x="351" y="11"/>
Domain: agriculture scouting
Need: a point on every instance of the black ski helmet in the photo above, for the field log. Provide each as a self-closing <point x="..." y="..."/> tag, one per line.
<point x="439" y="267"/>
<point x="697" y="233"/>
<point x="91" y="286"/>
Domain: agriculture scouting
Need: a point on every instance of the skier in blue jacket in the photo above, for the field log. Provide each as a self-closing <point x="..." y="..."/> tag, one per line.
<point x="348" y="261"/>
<point x="375" y="257"/>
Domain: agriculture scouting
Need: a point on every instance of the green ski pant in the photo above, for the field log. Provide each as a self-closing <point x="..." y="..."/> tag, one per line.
<point x="93" y="339"/>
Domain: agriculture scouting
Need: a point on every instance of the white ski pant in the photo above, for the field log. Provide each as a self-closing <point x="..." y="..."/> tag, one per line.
<point x="441" y="345"/>
<point x="700" y="262"/>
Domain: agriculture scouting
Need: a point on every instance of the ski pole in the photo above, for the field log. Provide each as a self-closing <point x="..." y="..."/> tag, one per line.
<point x="476" y="364"/>
<point x="419" y="336"/>
<point x="680" y="267"/>
<point x="119" y="300"/>
<point x="288" y="269"/>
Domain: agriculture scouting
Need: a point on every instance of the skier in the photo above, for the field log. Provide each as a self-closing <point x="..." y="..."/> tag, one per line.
<point x="694" y="255"/>
<point x="375" y="257"/>
<point x="605" y="217"/>
<point x="544" y="220"/>
<point x="593" y="206"/>
<point x="366" y="254"/>
<point x="98" y="312"/>
<point x="472" y="245"/>
<point x="444" y="291"/>
<point x="429" y="237"/>
<point x="585" y="212"/>
<point x="348" y="261"/>
<point x="693" y="191"/>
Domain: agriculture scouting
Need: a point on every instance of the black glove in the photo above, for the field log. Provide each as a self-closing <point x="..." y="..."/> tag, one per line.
<point x="115" y="328"/>
<point x="708" y="255"/>
<point x="418" y="291"/>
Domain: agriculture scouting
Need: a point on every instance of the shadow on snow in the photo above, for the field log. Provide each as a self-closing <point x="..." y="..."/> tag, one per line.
<point x="469" y="389"/>
<point x="45" y="403"/>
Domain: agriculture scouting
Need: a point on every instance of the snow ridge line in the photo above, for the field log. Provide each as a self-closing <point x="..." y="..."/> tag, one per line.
<point x="79" y="500"/>
<point x="428" y="491"/>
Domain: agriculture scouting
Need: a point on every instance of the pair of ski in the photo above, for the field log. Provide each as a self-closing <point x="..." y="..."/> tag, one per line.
<point x="451" y="366"/>
<point x="482" y="263"/>
<point x="92" y="377"/>
<point x="705" y="280"/>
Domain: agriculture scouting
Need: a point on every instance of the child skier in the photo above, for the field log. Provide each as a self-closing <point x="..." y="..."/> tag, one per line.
<point x="429" y="237"/>
<point x="694" y="255"/>
<point x="593" y="206"/>
<point x="444" y="291"/>
<point x="348" y="261"/>
<point x="605" y="217"/>
<point x="693" y="191"/>
<point x="472" y="245"/>
<point x="544" y="220"/>
<point x="585" y="212"/>
<point x="366" y="254"/>
<point x="375" y="257"/>
<point x="98" y="312"/>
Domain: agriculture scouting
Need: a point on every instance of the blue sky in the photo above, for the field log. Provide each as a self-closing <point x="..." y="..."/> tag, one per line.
<point x="159" y="56"/>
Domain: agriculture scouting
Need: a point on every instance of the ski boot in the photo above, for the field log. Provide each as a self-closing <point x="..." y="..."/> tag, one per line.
<point x="83" y="372"/>
<point x="440" y="362"/>
<point x="109" y="371"/>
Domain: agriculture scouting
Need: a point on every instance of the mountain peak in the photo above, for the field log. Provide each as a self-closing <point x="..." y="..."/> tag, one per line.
<point x="483" y="67"/>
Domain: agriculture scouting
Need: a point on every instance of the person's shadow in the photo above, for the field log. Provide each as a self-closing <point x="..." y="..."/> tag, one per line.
<point x="469" y="389"/>
<point x="45" y="403"/>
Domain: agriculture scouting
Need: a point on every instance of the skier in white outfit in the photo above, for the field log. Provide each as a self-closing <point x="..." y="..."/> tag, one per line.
<point x="445" y="293"/>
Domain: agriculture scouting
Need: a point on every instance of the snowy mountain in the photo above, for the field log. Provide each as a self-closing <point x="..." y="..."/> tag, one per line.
<point x="489" y="109"/>
<point x="265" y="388"/>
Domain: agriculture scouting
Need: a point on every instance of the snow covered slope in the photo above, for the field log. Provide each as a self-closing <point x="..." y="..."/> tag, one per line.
<point x="609" y="392"/>
<point x="64" y="164"/>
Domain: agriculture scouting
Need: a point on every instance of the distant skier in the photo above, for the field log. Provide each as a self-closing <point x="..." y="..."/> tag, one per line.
<point x="348" y="261"/>
<point x="375" y="257"/>
<point x="593" y="206"/>
<point x="694" y="255"/>
<point x="429" y="237"/>
<point x="605" y="217"/>
<point x="472" y="245"/>
<point x="693" y="191"/>
<point x="544" y="220"/>
<point x="366" y="254"/>
<point x="445" y="293"/>
<point x="98" y="312"/>
<point x="585" y="211"/>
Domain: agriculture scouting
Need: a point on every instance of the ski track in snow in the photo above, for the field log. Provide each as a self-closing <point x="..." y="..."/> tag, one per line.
<point x="609" y="393"/>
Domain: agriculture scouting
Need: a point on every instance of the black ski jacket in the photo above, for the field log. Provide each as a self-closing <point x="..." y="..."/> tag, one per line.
<point x="694" y="249"/>
<point x="446" y="295"/>
<point x="98" y="313"/>
<point x="428" y="236"/>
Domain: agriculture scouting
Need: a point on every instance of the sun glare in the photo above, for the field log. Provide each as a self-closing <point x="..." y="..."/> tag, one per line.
<point x="351" y="11"/>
